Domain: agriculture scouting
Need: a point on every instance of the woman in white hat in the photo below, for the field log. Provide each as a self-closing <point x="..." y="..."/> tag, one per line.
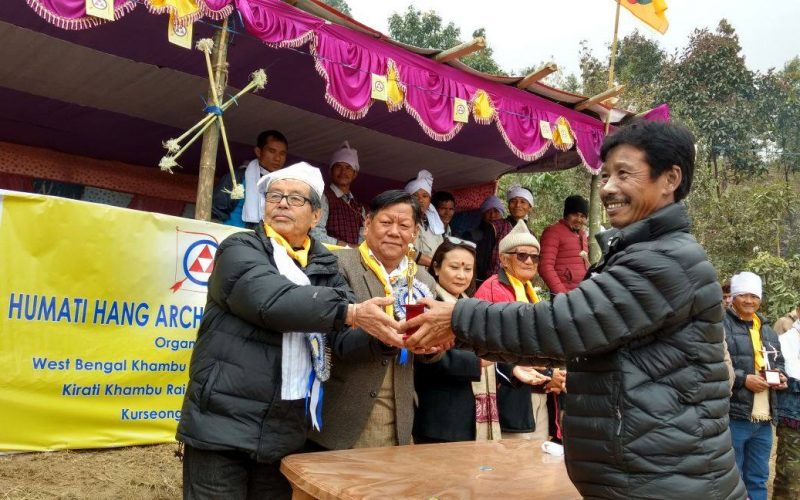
<point x="522" y="393"/>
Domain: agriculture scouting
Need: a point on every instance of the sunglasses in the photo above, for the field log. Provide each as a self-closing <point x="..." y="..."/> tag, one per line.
<point x="522" y="256"/>
<point x="459" y="241"/>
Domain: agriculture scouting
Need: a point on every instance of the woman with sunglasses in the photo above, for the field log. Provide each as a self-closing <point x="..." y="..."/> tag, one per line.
<point x="457" y="400"/>
<point x="521" y="397"/>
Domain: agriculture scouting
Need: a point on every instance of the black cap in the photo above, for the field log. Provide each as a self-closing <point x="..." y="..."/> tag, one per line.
<point x="576" y="204"/>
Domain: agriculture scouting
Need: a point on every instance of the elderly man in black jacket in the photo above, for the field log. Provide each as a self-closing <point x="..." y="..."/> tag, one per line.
<point x="755" y="350"/>
<point x="273" y="297"/>
<point x="647" y="391"/>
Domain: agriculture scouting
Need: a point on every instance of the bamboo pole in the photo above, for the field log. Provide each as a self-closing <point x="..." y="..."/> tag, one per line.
<point x="608" y="94"/>
<point x="208" y="153"/>
<point x="595" y="206"/>
<point x="461" y="50"/>
<point x="537" y="75"/>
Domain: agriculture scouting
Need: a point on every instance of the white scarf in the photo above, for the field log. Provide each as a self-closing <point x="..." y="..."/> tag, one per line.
<point x="435" y="224"/>
<point x="790" y="347"/>
<point x="296" y="364"/>
<point x="253" y="210"/>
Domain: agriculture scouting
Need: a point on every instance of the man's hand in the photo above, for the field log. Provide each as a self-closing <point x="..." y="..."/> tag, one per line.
<point x="371" y="317"/>
<point x="784" y="383"/>
<point x="756" y="383"/>
<point x="435" y="326"/>
<point x="557" y="383"/>
<point x="529" y="375"/>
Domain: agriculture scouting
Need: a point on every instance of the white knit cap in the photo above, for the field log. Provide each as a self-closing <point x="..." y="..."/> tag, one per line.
<point x="423" y="181"/>
<point x="746" y="282"/>
<point x="492" y="202"/>
<point x="345" y="154"/>
<point x="519" y="236"/>
<point x="517" y="191"/>
<point x="301" y="171"/>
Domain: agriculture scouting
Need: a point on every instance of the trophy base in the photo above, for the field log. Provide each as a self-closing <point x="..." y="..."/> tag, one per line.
<point x="772" y="377"/>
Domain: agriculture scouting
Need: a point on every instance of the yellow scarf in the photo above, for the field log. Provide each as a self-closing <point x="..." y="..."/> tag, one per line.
<point x="377" y="269"/>
<point x="523" y="292"/>
<point x="301" y="256"/>
<point x="755" y="337"/>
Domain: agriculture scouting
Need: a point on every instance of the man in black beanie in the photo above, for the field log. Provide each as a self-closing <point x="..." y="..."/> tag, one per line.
<point x="565" y="247"/>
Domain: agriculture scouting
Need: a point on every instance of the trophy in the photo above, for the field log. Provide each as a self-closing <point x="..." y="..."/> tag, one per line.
<point x="412" y="308"/>
<point x="771" y="375"/>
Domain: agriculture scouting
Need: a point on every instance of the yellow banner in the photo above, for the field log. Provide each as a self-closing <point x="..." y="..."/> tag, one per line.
<point x="99" y="309"/>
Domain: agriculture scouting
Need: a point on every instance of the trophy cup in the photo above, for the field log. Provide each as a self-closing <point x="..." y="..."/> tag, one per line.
<point x="412" y="308"/>
<point x="771" y="375"/>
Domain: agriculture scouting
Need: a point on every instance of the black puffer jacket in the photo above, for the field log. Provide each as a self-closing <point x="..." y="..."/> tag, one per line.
<point x="647" y="392"/>
<point x="737" y="333"/>
<point x="233" y="398"/>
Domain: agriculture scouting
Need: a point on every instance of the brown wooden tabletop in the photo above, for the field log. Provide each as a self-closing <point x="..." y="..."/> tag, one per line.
<point x="485" y="469"/>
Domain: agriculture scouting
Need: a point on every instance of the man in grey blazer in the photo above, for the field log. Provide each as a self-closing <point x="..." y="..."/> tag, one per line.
<point x="369" y="396"/>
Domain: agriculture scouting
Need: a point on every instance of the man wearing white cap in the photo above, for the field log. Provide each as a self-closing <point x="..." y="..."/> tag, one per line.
<point x="520" y="203"/>
<point x="431" y="227"/>
<point x="259" y="353"/>
<point x="755" y="349"/>
<point x="342" y="215"/>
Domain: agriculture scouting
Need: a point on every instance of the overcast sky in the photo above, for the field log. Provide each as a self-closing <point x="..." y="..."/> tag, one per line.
<point x="527" y="32"/>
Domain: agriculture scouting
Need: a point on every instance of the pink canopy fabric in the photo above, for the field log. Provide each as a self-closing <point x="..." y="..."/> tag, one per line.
<point x="71" y="14"/>
<point x="346" y="59"/>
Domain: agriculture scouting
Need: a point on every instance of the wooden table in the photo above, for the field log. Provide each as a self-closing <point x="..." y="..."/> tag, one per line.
<point x="486" y="469"/>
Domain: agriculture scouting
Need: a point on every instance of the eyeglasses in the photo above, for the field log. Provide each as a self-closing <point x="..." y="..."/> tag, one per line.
<point x="294" y="200"/>
<point x="522" y="256"/>
<point x="459" y="241"/>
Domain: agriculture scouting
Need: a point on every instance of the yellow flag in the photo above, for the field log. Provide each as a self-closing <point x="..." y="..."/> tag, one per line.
<point x="649" y="11"/>
<point x="104" y="9"/>
<point x="179" y="35"/>
<point x="379" y="91"/>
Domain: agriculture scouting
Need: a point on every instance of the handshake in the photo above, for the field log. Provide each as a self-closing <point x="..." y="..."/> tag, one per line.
<point x="427" y="333"/>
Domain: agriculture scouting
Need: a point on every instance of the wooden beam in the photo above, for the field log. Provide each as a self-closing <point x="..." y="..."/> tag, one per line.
<point x="544" y="71"/>
<point x="608" y="94"/>
<point x="462" y="50"/>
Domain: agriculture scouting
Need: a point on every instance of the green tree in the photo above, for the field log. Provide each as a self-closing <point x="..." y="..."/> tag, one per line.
<point x="483" y="60"/>
<point x="710" y="86"/>
<point x="594" y="72"/>
<point x="639" y="65"/>
<point x="779" y="106"/>
<point x="427" y="29"/>
<point x="340" y="5"/>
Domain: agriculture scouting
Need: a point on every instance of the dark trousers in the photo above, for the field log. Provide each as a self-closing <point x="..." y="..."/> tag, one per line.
<point x="231" y="475"/>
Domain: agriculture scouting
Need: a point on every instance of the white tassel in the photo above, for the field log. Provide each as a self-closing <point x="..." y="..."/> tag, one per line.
<point x="205" y="45"/>
<point x="167" y="163"/>
<point x="238" y="192"/>
<point x="259" y="78"/>
<point x="171" y="145"/>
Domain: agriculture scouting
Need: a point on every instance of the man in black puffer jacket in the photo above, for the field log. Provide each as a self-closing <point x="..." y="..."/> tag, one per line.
<point x="243" y="410"/>
<point x="647" y="390"/>
<point x="754" y="347"/>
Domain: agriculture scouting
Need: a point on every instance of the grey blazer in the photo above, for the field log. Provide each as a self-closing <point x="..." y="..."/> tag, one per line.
<point x="359" y="367"/>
